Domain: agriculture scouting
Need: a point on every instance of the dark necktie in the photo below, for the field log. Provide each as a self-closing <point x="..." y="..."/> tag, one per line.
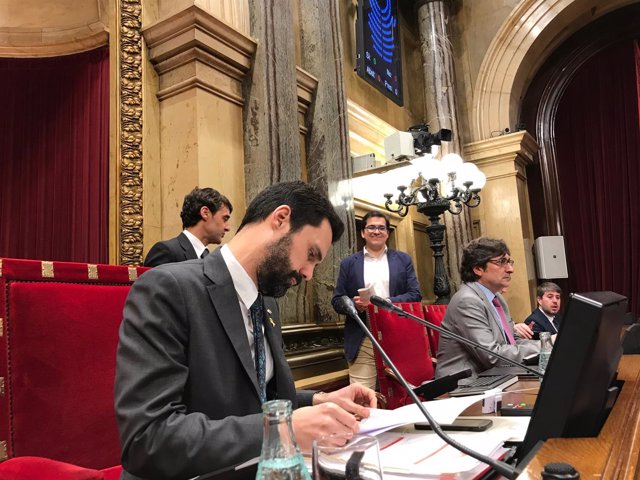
<point x="204" y="253"/>
<point x="503" y="319"/>
<point x="257" y="319"/>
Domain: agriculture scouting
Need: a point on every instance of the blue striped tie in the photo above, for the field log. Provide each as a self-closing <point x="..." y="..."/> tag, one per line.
<point x="257" y="319"/>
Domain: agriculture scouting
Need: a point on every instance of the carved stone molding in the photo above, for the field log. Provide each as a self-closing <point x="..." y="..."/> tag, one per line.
<point x="130" y="186"/>
<point x="196" y="49"/>
<point x="306" y="89"/>
<point x="314" y="349"/>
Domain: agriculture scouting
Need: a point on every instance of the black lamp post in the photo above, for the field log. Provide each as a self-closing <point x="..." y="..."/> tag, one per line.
<point x="462" y="182"/>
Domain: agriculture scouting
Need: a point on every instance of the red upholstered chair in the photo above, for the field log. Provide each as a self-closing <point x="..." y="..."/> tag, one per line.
<point x="435" y="315"/>
<point x="59" y="326"/>
<point x="407" y="345"/>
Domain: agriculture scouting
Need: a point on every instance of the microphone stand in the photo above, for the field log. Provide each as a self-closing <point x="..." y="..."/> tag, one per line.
<point x="387" y="305"/>
<point x="502" y="468"/>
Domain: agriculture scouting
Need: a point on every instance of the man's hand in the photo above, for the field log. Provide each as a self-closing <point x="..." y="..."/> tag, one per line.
<point x="356" y="399"/>
<point x="360" y="305"/>
<point x="311" y="423"/>
<point x="334" y="413"/>
<point x="524" y="330"/>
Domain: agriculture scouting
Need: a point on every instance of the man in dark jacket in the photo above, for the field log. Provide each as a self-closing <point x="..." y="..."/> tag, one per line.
<point x="546" y="318"/>
<point x="389" y="273"/>
<point x="205" y="219"/>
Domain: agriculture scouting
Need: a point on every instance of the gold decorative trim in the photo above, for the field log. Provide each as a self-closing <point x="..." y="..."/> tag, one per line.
<point x="0" y="267"/>
<point x="3" y="451"/>
<point x="92" y="271"/>
<point x="133" y="274"/>
<point x="47" y="270"/>
<point x="1" y="327"/>
<point x="2" y="387"/>
<point x="130" y="187"/>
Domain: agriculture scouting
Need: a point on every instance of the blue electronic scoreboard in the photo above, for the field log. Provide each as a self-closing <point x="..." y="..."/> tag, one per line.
<point x="378" y="46"/>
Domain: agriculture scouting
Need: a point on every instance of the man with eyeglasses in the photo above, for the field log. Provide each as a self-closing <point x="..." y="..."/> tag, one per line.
<point x="478" y="312"/>
<point x="389" y="273"/>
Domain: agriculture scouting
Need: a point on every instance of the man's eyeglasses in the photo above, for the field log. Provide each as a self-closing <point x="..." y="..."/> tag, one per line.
<point x="373" y="228"/>
<point x="503" y="262"/>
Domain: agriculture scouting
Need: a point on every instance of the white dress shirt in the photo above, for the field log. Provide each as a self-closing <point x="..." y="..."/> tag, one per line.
<point x="197" y="245"/>
<point x="376" y="273"/>
<point x="247" y="294"/>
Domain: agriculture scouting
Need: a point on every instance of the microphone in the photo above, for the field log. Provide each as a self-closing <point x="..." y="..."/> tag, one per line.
<point x="502" y="468"/>
<point x="388" y="305"/>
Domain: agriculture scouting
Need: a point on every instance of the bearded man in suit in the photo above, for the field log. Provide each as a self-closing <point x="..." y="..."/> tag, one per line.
<point x="546" y="318"/>
<point x="205" y="219"/>
<point x="201" y="347"/>
<point x="478" y="311"/>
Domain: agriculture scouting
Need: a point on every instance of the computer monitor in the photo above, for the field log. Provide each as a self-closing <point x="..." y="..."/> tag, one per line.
<point x="579" y="386"/>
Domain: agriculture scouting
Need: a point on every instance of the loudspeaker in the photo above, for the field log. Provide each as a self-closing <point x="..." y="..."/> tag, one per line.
<point x="551" y="261"/>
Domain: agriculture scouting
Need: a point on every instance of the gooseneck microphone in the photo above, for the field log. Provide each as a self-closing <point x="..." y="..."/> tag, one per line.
<point x="502" y="468"/>
<point x="388" y="305"/>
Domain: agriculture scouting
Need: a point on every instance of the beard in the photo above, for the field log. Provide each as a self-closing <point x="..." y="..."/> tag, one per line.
<point x="275" y="273"/>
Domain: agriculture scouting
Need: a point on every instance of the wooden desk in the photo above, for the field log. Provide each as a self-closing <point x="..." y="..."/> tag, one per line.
<point x="615" y="452"/>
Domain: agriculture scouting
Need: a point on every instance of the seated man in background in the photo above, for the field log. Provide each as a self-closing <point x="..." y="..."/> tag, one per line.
<point x="205" y="219"/>
<point x="201" y="347"/>
<point x="390" y="274"/>
<point x="545" y="318"/>
<point x="478" y="311"/>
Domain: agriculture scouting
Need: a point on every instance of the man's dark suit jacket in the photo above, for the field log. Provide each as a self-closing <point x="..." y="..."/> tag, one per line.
<point x="186" y="391"/>
<point x="177" y="249"/>
<point x="403" y="287"/>
<point x="539" y="322"/>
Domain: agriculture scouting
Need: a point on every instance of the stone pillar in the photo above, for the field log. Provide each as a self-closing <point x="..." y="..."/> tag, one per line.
<point x="504" y="210"/>
<point x="201" y="63"/>
<point x="271" y="121"/>
<point x="440" y="98"/>
<point x="328" y="161"/>
<point x="271" y="137"/>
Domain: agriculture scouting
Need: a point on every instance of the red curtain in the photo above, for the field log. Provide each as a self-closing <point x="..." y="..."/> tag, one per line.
<point x="598" y="156"/>
<point x="54" y="137"/>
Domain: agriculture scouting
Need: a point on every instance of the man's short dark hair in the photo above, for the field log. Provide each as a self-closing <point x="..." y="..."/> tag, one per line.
<point x="477" y="253"/>
<point x="375" y="214"/>
<point x="547" y="287"/>
<point x="198" y="198"/>
<point x="308" y="207"/>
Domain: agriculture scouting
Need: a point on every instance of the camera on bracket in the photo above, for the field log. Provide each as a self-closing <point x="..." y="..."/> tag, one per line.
<point x="423" y="140"/>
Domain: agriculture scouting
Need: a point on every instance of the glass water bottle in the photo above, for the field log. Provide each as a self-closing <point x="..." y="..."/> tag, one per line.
<point x="545" y="351"/>
<point x="280" y="458"/>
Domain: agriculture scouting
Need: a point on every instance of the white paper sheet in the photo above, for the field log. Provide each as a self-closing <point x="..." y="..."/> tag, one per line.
<point x="442" y="411"/>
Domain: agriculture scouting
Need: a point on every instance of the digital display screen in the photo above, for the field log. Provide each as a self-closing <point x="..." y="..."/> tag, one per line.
<point x="378" y="44"/>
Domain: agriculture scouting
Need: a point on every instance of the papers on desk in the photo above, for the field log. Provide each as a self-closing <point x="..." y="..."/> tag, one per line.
<point x="443" y="411"/>
<point x="426" y="455"/>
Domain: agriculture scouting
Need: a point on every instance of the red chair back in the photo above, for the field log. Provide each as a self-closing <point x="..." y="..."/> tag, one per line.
<point x="435" y="315"/>
<point x="407" y="345"/>
<point x="57" y="358"/>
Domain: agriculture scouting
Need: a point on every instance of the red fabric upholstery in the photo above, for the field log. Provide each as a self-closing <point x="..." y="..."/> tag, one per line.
<point x="57" y="356"/>
<point x="435" y="315"/>
<point x="38" y="468"/>
<point x="407" y="345"/>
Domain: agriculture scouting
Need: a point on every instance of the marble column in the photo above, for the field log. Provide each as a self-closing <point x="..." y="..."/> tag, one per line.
<point x="328" y="162"/>
<point x="271" y="122"/>
<point x="505" y="212"/>
<point x="440" y="98"/>
<point x="271" y="136"/>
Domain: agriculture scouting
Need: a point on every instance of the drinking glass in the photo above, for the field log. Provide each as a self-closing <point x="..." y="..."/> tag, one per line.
<point x="357" y="459"/>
